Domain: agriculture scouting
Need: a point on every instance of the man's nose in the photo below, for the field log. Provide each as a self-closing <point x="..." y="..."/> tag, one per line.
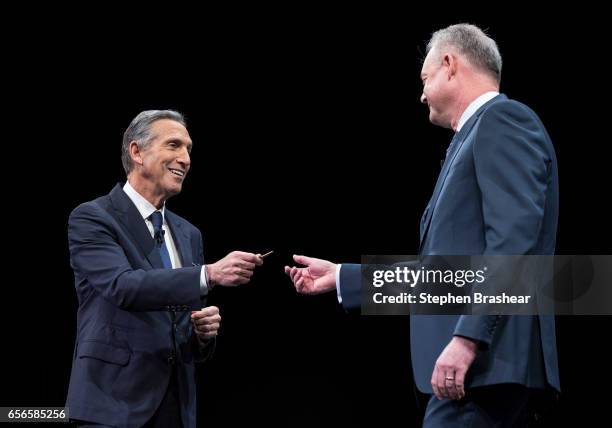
<point x="184" y="158"/>
<point x="423" y="98"/>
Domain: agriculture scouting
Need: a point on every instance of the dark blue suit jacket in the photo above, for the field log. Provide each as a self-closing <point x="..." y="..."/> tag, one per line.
<point x="497" y="194"/>
<point x="128" y="304"/>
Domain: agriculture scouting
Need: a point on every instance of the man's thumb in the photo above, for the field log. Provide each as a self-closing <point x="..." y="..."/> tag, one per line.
<point x="303" y="260"/>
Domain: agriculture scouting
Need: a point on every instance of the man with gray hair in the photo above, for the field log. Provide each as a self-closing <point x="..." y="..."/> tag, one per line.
<point x="142" y="284"/>
<point x="497" y="194"/>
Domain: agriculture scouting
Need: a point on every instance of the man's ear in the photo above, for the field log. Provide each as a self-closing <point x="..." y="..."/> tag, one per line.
<point x="135" y="153"/>
<point x="449" y="62"/>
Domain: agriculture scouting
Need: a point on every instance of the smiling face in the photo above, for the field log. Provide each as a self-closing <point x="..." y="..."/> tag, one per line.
<point x="438" y="87"/>
<point x="162" y="165"/>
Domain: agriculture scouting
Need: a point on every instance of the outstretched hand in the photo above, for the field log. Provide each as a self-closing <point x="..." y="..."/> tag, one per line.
<point x="318" y="276"/>
<point x="234" y="269"/>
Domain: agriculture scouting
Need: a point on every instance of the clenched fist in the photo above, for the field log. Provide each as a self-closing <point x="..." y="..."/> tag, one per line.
<point x="206" y="322"/>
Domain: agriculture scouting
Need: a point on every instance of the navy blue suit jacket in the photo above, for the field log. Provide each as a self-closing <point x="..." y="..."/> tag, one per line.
<point x="497" y="194"/>
<point x="128" y="304"/>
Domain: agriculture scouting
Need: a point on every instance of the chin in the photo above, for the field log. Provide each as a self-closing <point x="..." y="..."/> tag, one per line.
<point x="438" y="121"/>
<point x="434" y="119"/>
<point x="174" y="190"/>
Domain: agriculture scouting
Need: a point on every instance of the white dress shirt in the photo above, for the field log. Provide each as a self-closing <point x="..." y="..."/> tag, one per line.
<point x="146" y="208"/>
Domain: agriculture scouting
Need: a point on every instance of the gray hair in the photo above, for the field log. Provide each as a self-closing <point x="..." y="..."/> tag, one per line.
<point x="480" y="50"/>
<point x="140" y="131"/>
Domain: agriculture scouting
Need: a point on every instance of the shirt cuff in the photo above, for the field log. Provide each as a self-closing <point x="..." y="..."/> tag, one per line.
<point x="203" y="281"/>
<point x="338" y="266"/>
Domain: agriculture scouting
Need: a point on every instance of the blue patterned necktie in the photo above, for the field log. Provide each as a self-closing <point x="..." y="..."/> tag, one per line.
<point x="160" y="243"/>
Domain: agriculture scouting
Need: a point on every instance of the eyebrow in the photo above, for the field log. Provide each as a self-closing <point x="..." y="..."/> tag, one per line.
<point x="178" y="140"/>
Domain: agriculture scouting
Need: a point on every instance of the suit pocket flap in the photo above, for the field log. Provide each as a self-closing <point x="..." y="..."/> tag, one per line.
<point x="104" y="352"/>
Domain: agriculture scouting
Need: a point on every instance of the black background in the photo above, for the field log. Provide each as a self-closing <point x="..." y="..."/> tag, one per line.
<point x="308" y="138"/>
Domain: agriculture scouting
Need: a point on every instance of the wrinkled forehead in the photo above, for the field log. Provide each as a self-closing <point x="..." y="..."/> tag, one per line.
<point x="169" y="129"/>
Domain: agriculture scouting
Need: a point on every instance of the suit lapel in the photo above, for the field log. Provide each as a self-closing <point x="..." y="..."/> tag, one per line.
<point x="181" y="238"/>
<point x="458" y="142"/>
<point x="461" y="136"/>
<point x="134" y="225"/>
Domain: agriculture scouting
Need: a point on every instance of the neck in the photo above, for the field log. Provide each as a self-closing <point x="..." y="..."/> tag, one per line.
<point x="147" y="191"/>
<point x="462" y="105"/>
<point x="467" y="97"/>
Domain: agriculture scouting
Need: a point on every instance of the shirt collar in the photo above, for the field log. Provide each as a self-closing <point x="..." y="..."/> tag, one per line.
<point x="474" y="106"/>
<point x="145" y="208"/>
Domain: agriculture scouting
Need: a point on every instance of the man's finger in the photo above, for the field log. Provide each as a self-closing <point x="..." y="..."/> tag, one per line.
<point x="460" y="383"/>
<point x="451" y="387"/>
<point x="434" y="387"/>
<point x="252" y="258"/>
<point x="208" y="327"/>
<point x="207" y="320"/>
<point x="293" y="273"/>
<point x="205" y="312"/>
<point x="241" y="256"/>
<point x="239" y="280"/>
<point x="449" y="383"/>
<point x="244" y="273"/>
<point x="303" y="260"/>
<point x="245" y="265"/>
<point x="442" y="383"/>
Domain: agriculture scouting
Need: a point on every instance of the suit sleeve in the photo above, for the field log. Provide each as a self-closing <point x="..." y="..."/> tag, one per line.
<point x="512" y="165"/>
<point x="350" y="285"/>
<point x="202" y="350"/>
<point x="100" y="262"/>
